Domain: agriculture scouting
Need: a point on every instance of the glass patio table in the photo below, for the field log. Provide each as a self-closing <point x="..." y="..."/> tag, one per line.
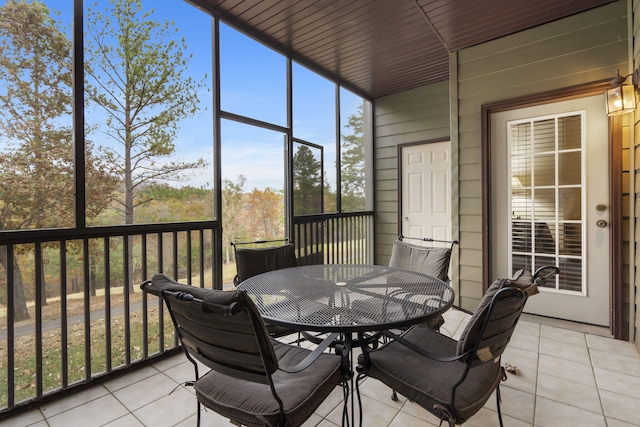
<point x="343" y="300"/>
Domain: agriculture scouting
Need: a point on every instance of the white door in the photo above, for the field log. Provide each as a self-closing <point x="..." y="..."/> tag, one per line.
<point x="426" y="190"/>
<point x="550" y="195"/>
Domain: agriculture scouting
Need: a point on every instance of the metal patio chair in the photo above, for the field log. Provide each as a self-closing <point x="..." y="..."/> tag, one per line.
<point x="254" y="380"/>
<point x="253" y="261"/>
<point x="454" y="379"/>
<point x="431" y="260"/>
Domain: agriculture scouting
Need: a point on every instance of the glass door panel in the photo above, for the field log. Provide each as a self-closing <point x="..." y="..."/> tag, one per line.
<point x="546" y="197"/>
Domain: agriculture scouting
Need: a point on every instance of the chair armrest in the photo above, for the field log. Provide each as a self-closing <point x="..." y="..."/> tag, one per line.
<point x="311" y="357"/>
<point x="147" y="287"/>
<point x="422" y="351"/>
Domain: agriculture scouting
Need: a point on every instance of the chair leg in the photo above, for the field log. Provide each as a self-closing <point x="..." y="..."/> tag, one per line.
<point x="498" y="399"/>
<point x="198" y="423"/>
<point x="345" y="401"/>
<point x="394" y="396"/>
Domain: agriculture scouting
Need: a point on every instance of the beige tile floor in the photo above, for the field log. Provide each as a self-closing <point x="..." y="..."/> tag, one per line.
<point x="568" y="375"/>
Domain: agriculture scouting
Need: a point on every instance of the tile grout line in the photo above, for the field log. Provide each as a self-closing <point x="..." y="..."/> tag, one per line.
<point x="595" y="379"/>
<point x="535" y="388"/>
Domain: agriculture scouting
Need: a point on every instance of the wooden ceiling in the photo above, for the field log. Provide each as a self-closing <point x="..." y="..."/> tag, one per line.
<point x="380" y="47"/>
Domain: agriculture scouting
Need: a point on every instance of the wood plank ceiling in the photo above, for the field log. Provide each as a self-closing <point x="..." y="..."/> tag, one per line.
<point x="380" y="47"/>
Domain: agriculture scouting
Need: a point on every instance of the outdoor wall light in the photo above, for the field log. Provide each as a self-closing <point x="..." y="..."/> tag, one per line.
<point x="621" y="98"/>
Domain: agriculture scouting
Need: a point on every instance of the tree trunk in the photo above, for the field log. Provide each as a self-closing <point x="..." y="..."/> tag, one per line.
<point x="43" y="290"/>
<point x="92" y="280"/>
<point x="20" y="311"/>
<point x="128" y="209"/>
<point x="129" y="272"/>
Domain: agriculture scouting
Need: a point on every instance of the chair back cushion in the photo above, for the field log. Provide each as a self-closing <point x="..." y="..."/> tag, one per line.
<point x="222" y="329"/>
<point x="251" y="262"/>
<point x="500" y="309"/>
<point x="432" y="261"/>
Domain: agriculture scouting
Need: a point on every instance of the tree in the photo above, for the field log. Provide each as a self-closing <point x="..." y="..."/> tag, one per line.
<point x="136" y="75"/>
<point x="265" y="214"/>
<point x="37" y="165"/>
<point x="232" y="193"/>
<point x="352" y="164"/>
<point x="307" y="182"/>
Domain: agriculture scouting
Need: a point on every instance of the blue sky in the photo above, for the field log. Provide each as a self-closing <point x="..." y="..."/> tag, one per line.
<point x="253" y="84"/>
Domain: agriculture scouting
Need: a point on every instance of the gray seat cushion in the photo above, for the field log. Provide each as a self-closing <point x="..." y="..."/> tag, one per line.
<point x="428" y="382"/>
<point x="301" y="393"/>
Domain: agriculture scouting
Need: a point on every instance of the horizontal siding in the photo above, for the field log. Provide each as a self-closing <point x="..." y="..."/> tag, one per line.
<point x="417" y="115"/>
<point x="576" y="50"/>
<point x="580" y="49"/>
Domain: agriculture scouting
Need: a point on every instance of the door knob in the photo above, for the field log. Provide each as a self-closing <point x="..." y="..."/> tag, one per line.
<point x="601" y="207"/>
<point x="405" y="218"/>
<point x="601" y="223"/>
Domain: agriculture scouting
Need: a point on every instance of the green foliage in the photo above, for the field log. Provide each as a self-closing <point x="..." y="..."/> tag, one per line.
<point x="37" y="159"/>
<point x="164" y="192"/>
<point x="25" y="385"/>
<point x="352" y="166"/>
<point x="37" y="163"/>
<point x="307" y="182"/>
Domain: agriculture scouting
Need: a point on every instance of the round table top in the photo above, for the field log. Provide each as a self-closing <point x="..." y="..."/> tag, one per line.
<point x="347" y="298"/>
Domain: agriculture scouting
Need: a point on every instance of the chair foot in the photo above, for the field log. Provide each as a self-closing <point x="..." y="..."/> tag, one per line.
<point x="394" y="396"/>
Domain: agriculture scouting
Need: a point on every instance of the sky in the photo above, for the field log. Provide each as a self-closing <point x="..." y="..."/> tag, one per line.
<point x="253" y="84"/>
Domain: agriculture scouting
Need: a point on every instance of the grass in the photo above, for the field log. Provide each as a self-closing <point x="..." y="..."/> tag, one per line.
<point x="25" y="363"/>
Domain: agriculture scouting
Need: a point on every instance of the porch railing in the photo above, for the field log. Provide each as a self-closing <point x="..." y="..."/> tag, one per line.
<point x="345" y="238"/>
<point x="87" y="318"/>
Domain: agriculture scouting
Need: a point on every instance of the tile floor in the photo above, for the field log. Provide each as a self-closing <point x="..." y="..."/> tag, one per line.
<point x="568" y="375"/>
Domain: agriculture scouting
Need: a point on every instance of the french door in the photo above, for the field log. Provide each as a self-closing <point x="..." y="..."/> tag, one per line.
<point x="550" y="195"/>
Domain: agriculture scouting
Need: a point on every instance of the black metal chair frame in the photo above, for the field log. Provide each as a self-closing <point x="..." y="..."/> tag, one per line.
<point x="274" y="331"/>
<point x="264" y="377"/>
<point x="470" y="356"/>
<point x="255" y="242"/>
<point x="451" y="243"/>
<point x="435" y="323"/>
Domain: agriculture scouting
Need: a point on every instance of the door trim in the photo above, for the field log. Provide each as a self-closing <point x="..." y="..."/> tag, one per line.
<point x="615" y="179"/>
<point x="616" y="254"/>
<point x="399" y="166"/>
